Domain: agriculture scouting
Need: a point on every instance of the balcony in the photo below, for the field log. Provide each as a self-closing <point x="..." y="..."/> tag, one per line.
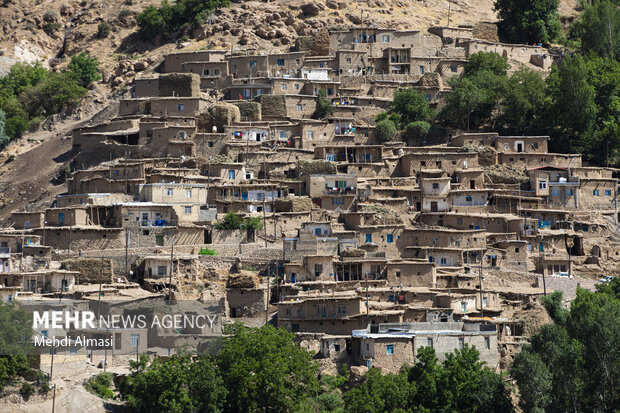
<point x="156" y="223"/>
<point x="340" y="191"/>
<point x="5" y="252"/>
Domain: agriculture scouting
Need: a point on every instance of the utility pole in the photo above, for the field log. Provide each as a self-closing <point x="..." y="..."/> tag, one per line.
<point x="171" y="271"/>
<point x="480" y="283"/>
<point x="449" y="4"/>
<point x="126" y="250"/>
<point x="542" y="266"/>
<point x="265" y="221"/>
<point x="54" y="399"/>
<point x="268" y="294"/>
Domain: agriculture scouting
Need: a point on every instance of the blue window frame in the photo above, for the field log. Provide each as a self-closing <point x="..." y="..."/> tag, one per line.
<point x="389" y="349"/>
<point x="390" y="238"/>
<point x="608" y="192"/>
<point x="368" y="237"/>
<point x="595" y="192"/>
<point x="231" y="174"/>
<point x="280" y="62"/>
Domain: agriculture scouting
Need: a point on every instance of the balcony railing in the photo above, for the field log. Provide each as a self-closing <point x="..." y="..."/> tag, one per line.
<point x="340" y="191"/>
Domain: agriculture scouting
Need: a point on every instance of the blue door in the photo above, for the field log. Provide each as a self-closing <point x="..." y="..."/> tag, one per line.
<point x="293" y="277"/>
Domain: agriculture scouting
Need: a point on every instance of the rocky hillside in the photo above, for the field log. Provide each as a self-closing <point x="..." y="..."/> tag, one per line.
<point x="50" y="30"/>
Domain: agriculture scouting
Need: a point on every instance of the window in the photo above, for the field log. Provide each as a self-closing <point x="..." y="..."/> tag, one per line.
<point x="170" y="192"/>
<point x="280" y="62"/>
<point x="397" y="274"/>
<point x="487" y="343"/>
<point x="429" y="342"/>
<point x="180" y="107"/>
<point x="252" y="64"/>
<point x="570" y="192"/>
<point x="259" y="92"/>
<point x="421" y="70"/>
<point x="435" y="186"/>
<point x="337" y="201"/>
<point x="188" y="193"/>
<point x="607" y="192"/>
<point x="459" y="221"/>
<point x="336" y="347"/>
<point x="318" y="268"/>
<point x="389" y="349"/>
<point x="368" y="238"/>
<point x="161" y="270"/>
<point x="461" y="343"/>
<point x="390" y="238"/>
<point x="231" y="174"/>
<point x="595" y="192"/>
<point x="246" y="93"/>
<point x="310" y="134"/>
<point x="283" y="135"/>
<point x="205" y="72"/>
<point x="216" y="72"/>
<point x="135" y="339"/>
<point x="296" y="86"/>
<point x="385" y="38"/>
<point x="484" y="302"/>
<point x="542" y="184"/>
<point x="443" y="261"/>
<point x="468" y="198"/>
<point x="342" y="310"/>
<point x="299" y="107"/>
<point x="555" y="191"/>
<point x="453" y="68"/>
<point x="464" y="306"/>
<point x="283" y="86"/>
<point x="188" y="210"/>
<point x="182" y="135"/>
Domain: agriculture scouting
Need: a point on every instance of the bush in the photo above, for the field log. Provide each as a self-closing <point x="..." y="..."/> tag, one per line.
<point x="230" y="221"/>
<point x="51" y="28"/>
<point x="207" y="251"/>
<point x="26" y="390"/>
<point x="324" y="106"/>
<point x="43" y="381"/>
<point x="100" y="385"/>
<point x="252" y="224"/>
<point x="170" y="20"/>
<point x="417" y="131"/>
<point x="385" y="130"/>
<point x="528" y="21"/>
<point x="103" y="30"/>
<point x="85" y="68"/>
<point x="410" y="105"/>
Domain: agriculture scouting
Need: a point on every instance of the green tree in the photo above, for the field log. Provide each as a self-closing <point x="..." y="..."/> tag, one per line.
<point x="252" y="224"/>
<point x="528" y="21"/>
<point x="264" y="370"/>
<point x="177" y="384"/>
<point x="598" y="29"/>
<point x="103" y="30"/>
<point x="486" y="61"/>
<point x="385" y="131"/>
<point x="324" y="106"/>
<point x="151" y="23"/>
<point x="523" y="102"/>
<point x="416" y="132"/>
<point x="4" y="138"/>
<point x="230" y="221"/>
<point x="85" y="68"/>
<point x="535" y="384"/>
<point x="380" y="393"/>
<point x="554" y="304"/>
<point x="15" y="329"/>
<point x="574" y="109"/>
<point x="410" y="105"/>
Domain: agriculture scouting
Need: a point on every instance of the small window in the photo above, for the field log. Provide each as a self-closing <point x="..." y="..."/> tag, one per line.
<point x="390" y="238"/>
<point x="555" y="191"/>
<point x="206" y="72"/>
<point x="135" y="339"/>
<point x="188" y="210"/>
<point x="421" y="70"/>
<point x="280" y="62"/>
<point x="453" y="68"/>
<point x="368" y="237"/>
<point x="296" y="86"/>
<point x="595" y="192"/>
<point x="443" y="261"/>
<point x="299" y="107"/>
<point x="487" y="343"/>
<point x="461" y="343"/>
<point x="216" y="72"/>
<point x="484" y="302"/>
<point x="464" y="306"/>
<point x="170" y="191"/>
<point x="607" y="192"/>
<point x="161" y="270"/>
<point x="429" y="342"/>
<point x="337" y="201"/>
<point x="252" y="63"/>
<point x="310" y="135"/>
<point x="188" y="193"/>
<point x="542" y="184"/>
<point x="397" y="274"/>
<point x="570" y="192"/>
<point x="283" y="86"/>
<point x="385" y="38"/>
<point x="389" y="349"/>
<point x="435" y="186"/>
<point x="180" y="107"/>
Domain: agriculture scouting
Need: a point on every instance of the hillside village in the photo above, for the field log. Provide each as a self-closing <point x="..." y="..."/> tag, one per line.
<point x="366" y="251"/>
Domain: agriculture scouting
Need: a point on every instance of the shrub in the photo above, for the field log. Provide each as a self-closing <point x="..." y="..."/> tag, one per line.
<point x="252" y="224"/>
<point x="385" y="130"/>
<point x="85" y="68"/>
<point x="324" y="106"/>
<point x="417" y="131"/>
<point x="51" y="28"/>
<point x="100" y="385"/>
<point x="207" y="251"/>
<point x="103" y="30"/>
<point x="230" y="221"/>
<point x="26" y="390"/>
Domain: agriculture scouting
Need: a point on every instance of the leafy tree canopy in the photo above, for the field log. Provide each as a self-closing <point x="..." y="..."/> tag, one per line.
<point x="528" y="21"/>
